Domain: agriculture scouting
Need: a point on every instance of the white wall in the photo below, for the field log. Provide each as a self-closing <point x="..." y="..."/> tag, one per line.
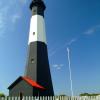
<point x="37" y="25"/>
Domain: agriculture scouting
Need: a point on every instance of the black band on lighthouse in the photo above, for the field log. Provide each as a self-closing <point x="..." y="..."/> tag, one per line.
<point x="37" y="7"/>
<point x="38" y="66"/>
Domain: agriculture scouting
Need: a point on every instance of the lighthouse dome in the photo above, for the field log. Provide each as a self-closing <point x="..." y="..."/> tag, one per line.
<point x="38" y="3"/>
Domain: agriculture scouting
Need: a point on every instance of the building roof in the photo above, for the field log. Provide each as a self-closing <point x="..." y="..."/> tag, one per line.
<point x="32" y="83"/>
<point x="28" y="80"/>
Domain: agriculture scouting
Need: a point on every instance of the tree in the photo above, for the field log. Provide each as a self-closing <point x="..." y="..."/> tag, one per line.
<point x="2" y="95"/>
<point x="88" y="94"/>
<point x="85" y="94"/>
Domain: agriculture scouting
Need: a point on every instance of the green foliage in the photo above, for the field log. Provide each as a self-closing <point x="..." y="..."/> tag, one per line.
<point x="84" y="94"/>
<point x="88" y="94"/>
<point x="2" y="95"/>
<point x="62" y="95"/>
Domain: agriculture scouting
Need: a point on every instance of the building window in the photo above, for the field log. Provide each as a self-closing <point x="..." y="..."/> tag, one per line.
<point x="32" y="60"/>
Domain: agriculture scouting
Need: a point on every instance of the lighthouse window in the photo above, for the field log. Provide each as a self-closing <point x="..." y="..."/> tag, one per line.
<point x="33" y="33"/>
<point x="34" y="10"/>
<point x="32" y="60"/>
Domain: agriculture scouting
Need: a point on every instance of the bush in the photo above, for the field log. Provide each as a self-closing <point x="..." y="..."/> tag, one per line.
<point x="88" y="94"/>
<point x="2" y="95"/>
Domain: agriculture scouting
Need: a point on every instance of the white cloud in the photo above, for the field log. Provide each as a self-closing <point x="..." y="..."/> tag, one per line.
<point x="65" y="44"/>
<point x="58" y="66"/>
<point x="1" y="21"/>
<point x="23" y="1"/>
<point x="92" y="30"/>
<point x="61" y="65"/>
<point x="15" y="18"/>
<point x="52" y="53"/>
<point x="89" y="32"/>
<point x="55" y="65"/>
<point x="72" y="41"/>
<point x="3" y="18"/>
<point x="8" y="17"/>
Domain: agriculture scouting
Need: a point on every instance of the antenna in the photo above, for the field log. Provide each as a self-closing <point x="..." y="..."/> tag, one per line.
<point x="69" y="62"/>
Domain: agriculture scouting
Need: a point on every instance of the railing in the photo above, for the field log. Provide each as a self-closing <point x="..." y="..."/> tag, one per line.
<point x="53" y="98"/>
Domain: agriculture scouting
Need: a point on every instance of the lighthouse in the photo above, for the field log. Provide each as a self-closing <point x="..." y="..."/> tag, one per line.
<point x="37" y="79"/>
<point x="37" y="67"/>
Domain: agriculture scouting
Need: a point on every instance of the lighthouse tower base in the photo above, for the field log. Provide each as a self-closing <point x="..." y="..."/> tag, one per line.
<point x="38" y="67"/>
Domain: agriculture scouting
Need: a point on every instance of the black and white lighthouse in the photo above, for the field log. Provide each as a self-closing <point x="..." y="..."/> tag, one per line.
<point x="37" y="78"/>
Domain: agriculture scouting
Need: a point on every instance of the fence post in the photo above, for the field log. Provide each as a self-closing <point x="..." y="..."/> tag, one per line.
<point x="52" y="98"/>
<point x="9" y="98"/>
<point x="47" y="98"/>
<point x="5" y="98"/>
<point x="2" y="98"/>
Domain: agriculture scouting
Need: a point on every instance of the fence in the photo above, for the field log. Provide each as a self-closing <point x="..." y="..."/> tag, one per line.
<point x="53" y="98"/>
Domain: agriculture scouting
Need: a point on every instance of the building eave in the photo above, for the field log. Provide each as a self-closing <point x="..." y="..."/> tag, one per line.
<point x="28" y="80"/>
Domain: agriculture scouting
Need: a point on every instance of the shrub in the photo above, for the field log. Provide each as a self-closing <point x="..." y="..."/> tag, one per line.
<point x="2" y="95"/>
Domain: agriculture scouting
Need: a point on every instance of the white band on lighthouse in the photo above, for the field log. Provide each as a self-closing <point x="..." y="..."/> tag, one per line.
<point x="37" y="29"/>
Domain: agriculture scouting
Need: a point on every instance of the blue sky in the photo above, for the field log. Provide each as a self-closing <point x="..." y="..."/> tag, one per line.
<point x="69" y="23"/>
